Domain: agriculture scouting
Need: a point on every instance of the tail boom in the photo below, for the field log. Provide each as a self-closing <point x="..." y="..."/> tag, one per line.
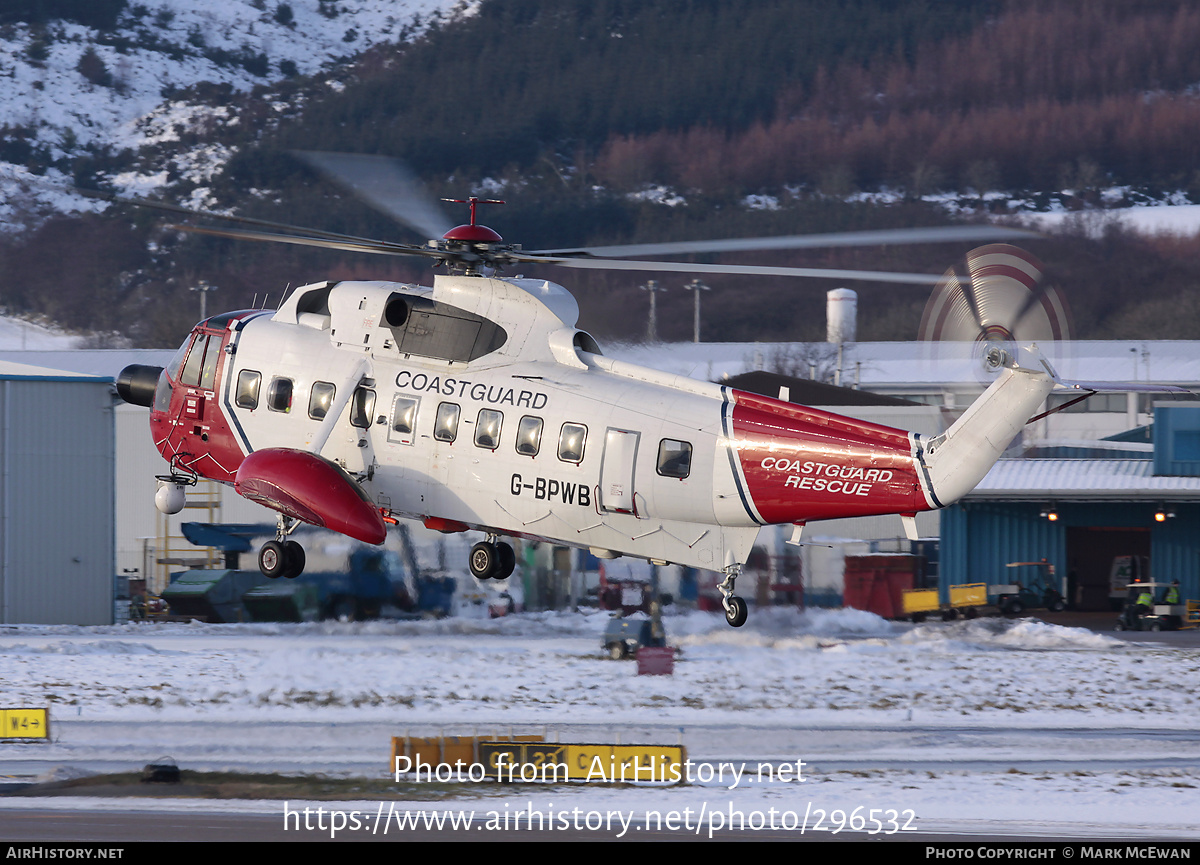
<point x="798" y="464"/>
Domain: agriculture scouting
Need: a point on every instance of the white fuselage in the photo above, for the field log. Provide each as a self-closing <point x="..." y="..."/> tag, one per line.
<point x="611" y="497"/>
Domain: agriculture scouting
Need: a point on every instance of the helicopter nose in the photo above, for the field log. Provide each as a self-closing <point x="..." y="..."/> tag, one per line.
<point x="136" y="384"/>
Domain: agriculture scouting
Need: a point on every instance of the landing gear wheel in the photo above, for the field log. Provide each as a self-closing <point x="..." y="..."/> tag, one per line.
<point x="483" y="560"/>
<point x="736" y="611"/>
<point x="293" y="556"/>
<point x="506" y="561"/>
<point x="272" y="560"/>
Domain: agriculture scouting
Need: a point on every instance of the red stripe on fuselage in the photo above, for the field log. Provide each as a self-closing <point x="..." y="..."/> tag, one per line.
<point x="804" y="464"/>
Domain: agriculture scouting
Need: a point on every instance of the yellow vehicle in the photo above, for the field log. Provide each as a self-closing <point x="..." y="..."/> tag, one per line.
<point x="965" y="600"/>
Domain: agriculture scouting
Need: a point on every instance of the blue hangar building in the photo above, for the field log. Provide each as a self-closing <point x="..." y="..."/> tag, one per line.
<point x="1087" y="508"/>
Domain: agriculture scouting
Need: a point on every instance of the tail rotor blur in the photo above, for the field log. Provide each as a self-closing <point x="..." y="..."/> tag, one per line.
<point x="996" y="306"/>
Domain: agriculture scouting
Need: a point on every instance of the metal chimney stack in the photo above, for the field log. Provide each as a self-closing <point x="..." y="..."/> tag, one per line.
<point x="841" y="316"/>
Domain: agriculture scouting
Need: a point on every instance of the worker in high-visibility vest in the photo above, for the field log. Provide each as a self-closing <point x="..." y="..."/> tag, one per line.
<point x="1145" y="600"/>
<point x="1171" y="595"/>
<point x="1133" y="598"/>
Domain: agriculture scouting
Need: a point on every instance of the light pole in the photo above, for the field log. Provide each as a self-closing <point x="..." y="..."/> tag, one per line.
<point x="696" y="286"/>
<point x="204" y="288"/>
<point x="654" y="288"/>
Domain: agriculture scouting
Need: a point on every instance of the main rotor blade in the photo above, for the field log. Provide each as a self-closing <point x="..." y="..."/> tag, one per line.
<point x="386" y="185"/>
<point x="744" y="269"/>
<point x="100" y="195"/>
<point x="887" y="237"/>
<point x="378" y="247"/>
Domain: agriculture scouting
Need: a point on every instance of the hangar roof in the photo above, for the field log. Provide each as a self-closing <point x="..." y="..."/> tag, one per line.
<point x="889" y="365"/>
<point x="10" y="371"/>
<point x="1080" y="480"/>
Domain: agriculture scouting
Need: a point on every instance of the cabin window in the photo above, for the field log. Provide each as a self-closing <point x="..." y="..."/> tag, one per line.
<point x="362" y="407"/>
<point x="487" y="429"/>
<point x="279" y="395"/>
<point x="529" y="436"/>
<point x="674" y="459"/>
<point x="248" y="383"/>
<point x="571" y="441"/>
<point x="404" y="419"/>
<point x="320" y="399"/>
<point x="445" y="426"/>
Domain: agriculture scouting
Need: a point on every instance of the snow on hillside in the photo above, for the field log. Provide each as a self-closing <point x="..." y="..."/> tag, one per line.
<point x="70" y="88"/>
<point x="16" y="333"/>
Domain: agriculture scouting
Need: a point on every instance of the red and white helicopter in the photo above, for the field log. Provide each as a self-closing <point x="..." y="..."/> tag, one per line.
<point x="477" y="404"/>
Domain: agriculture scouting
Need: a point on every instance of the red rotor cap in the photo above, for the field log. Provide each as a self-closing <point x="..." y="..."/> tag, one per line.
<point x="472" y="234"/>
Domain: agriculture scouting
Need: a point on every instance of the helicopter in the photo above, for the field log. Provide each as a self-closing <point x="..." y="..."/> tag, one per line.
<point x="477" y="404"/>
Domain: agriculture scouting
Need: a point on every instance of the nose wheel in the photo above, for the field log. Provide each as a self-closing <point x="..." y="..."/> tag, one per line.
<point x="490" y="560"/>
<point x="281" y="557"/>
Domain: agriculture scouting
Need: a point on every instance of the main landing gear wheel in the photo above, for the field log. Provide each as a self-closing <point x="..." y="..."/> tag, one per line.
<point x="293" y="556"/>
<point x="483" y="560"/>
<point x="735" y="607"/>
<point x="736" y="611"/>
<point x="492" y="561"/>
<point x="506" y="561"/>
<point x="285" y="559"/>
<point x="271" y="559"/>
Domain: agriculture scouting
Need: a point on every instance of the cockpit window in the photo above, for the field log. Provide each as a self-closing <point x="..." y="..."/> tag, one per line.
<point x="195" y="359"/>
<point x="177" y="361"/>
<point x="208" y="372"/>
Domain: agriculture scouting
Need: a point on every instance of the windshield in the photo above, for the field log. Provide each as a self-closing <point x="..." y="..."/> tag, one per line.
<point x="177" y="361"/>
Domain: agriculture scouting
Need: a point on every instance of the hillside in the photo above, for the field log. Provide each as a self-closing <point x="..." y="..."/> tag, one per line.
<point x="612" y="121"/>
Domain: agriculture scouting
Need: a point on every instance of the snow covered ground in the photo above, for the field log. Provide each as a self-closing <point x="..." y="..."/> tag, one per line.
<point x="1182" y="220"/>
<point x="1013" y="727"/>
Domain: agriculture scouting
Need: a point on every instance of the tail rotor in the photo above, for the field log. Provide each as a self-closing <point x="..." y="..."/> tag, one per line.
<point x="997" y="304"/>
